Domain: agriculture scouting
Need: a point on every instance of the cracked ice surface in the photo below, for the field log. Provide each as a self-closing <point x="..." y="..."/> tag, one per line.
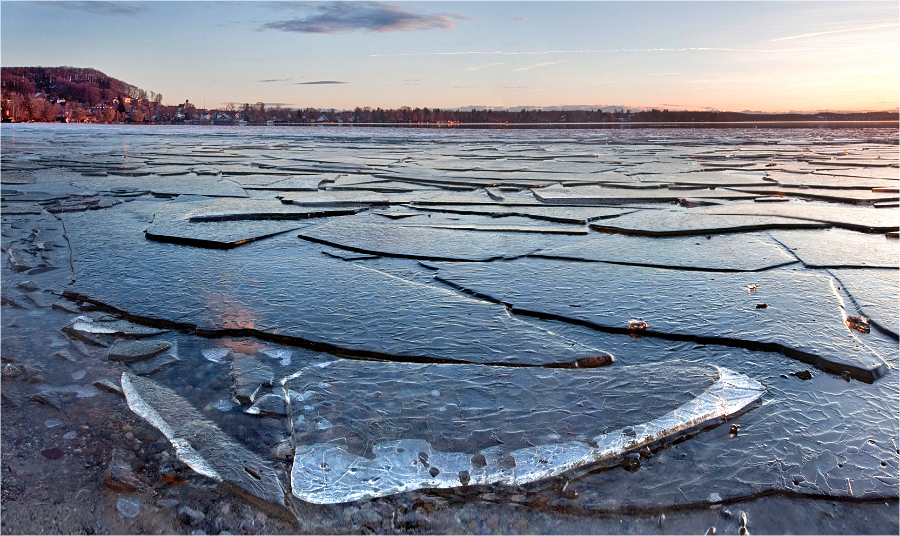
<point x="822" y="436"/>
<point x="319" y="299"/>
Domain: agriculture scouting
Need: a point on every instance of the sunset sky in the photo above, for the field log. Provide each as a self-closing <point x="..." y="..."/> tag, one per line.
<point x="759" y="56"/>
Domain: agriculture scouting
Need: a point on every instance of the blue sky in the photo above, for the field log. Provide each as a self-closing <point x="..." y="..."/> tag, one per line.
<point x="768" y="56"/>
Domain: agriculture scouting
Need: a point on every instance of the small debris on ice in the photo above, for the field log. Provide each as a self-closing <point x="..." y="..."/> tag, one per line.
<point x="859" y="323"/>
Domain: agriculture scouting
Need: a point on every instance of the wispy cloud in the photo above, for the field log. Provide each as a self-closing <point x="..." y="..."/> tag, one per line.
<point x="319" y="82"/>
<point x="520" y="18"/>
<point x="663" y="74"/>
<point x="529" y="67"/>
<point x="102" y="8"/>
<point x="277" y="79"/>
<point x="483" y="66"/>
<point x="835" y="31"/>
<point x="371" y="17"/>
<point x="629" y="50"/>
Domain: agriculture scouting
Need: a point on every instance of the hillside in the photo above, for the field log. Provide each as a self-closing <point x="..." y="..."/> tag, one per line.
<point x="66" y="93"/>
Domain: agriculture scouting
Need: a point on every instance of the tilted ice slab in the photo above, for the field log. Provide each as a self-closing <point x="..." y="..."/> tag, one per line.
<point x="876" y="293"/>
<point x="182" y="185"/>
<point x="726" y="252"/>
<point x="223" y="224"/>
<point x="693" y="222"/>
<point x="560" y="214"/>
<point x="372" y="235"/>
<point x="860" y="219"/>
<point x="841" y="248"/>
<point x="199" y="442"/>
<point x="791" y="311"/>
<point x="597" y="195"/>
<point x="326" y="472"/>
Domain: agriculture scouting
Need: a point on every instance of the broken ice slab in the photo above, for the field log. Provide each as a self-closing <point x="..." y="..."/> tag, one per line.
<point x="87" y="324"/>
<point x="254" y="209"/>
<point x="716" y="178"/>
<point x="804" y="317"/>
<point x="128" y="351"/>
<point x="840" y="248"/>
<point x="693" y="222"/>
<point x="147" y="367"/>
<point x="858" y="219"/>
<point x="167" y="186"/>
<point x="375" y="236"/>
<point x="342" y="199"/>
<point x="828" y="180"/>
<point x="726" y="252"/>
<point x="370" y="313"/>
<point x="45" y="192"/>
<point x="488" y="228"/>
<point x="876" y="294"/>
<point x="509" y="426"/>
<point x="249" y="375"/>
<point x="18" y="209"/>
<point x="299" y="183"/>
<point x="853" y="197"/>
<point x="223" y="229"/>
<point x="598" y="195"/>
<point x="199" y="442"/>
<point x="558" y="214"/>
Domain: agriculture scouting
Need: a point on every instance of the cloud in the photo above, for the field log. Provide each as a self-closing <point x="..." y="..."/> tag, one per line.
<point x="520" y="18"/>
<point x="632" y="51"/>
<point x="663" y="74"/>
<point x="370" y="17"/>
<point x="835" y="31"/>
<point x="528" y="68"/>
<point x="102" y="8"/>
<point x="277" y="79"/>
<point x="483" y="66"/>
<point x="319" y="82"/>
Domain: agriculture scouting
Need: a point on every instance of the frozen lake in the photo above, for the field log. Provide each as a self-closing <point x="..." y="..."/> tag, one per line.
<point x="343" y="330"/>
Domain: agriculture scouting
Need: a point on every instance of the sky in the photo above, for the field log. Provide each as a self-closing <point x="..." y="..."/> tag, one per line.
<point x="730" y="56"/>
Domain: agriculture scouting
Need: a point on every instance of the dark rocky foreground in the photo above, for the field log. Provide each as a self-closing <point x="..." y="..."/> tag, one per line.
<point x="330" y="331"/>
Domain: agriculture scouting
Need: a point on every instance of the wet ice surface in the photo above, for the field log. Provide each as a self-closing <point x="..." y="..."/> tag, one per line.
<point x="430" y="252"/>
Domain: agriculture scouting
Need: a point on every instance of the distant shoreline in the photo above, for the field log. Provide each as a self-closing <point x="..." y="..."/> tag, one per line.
<point x="547" y="125"/>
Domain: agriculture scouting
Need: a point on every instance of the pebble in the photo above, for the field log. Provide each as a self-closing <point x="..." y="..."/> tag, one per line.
<point x="77" y="375"/>
<point x="167" y="503"/>
<point x="128" y="507"/>
<point x="190" y="516"/>
<point x="70" y="435"/>
<point x="54" y="453"/>
<point x="52" y="423"/>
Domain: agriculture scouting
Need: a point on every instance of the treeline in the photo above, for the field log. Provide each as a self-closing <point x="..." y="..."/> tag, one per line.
<point x="72" y="94"/>
<point x="425" y="115"/>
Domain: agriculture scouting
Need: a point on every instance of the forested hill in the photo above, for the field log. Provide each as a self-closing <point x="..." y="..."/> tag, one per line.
<point x="86" y="86"/>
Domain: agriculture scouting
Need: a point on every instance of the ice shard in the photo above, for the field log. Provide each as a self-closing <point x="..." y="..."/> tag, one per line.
<point x="199" y="443"/>
<point x="512" y="427"/>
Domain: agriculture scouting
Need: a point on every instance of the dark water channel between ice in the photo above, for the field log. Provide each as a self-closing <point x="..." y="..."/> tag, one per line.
<point x="262" y="330"/>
